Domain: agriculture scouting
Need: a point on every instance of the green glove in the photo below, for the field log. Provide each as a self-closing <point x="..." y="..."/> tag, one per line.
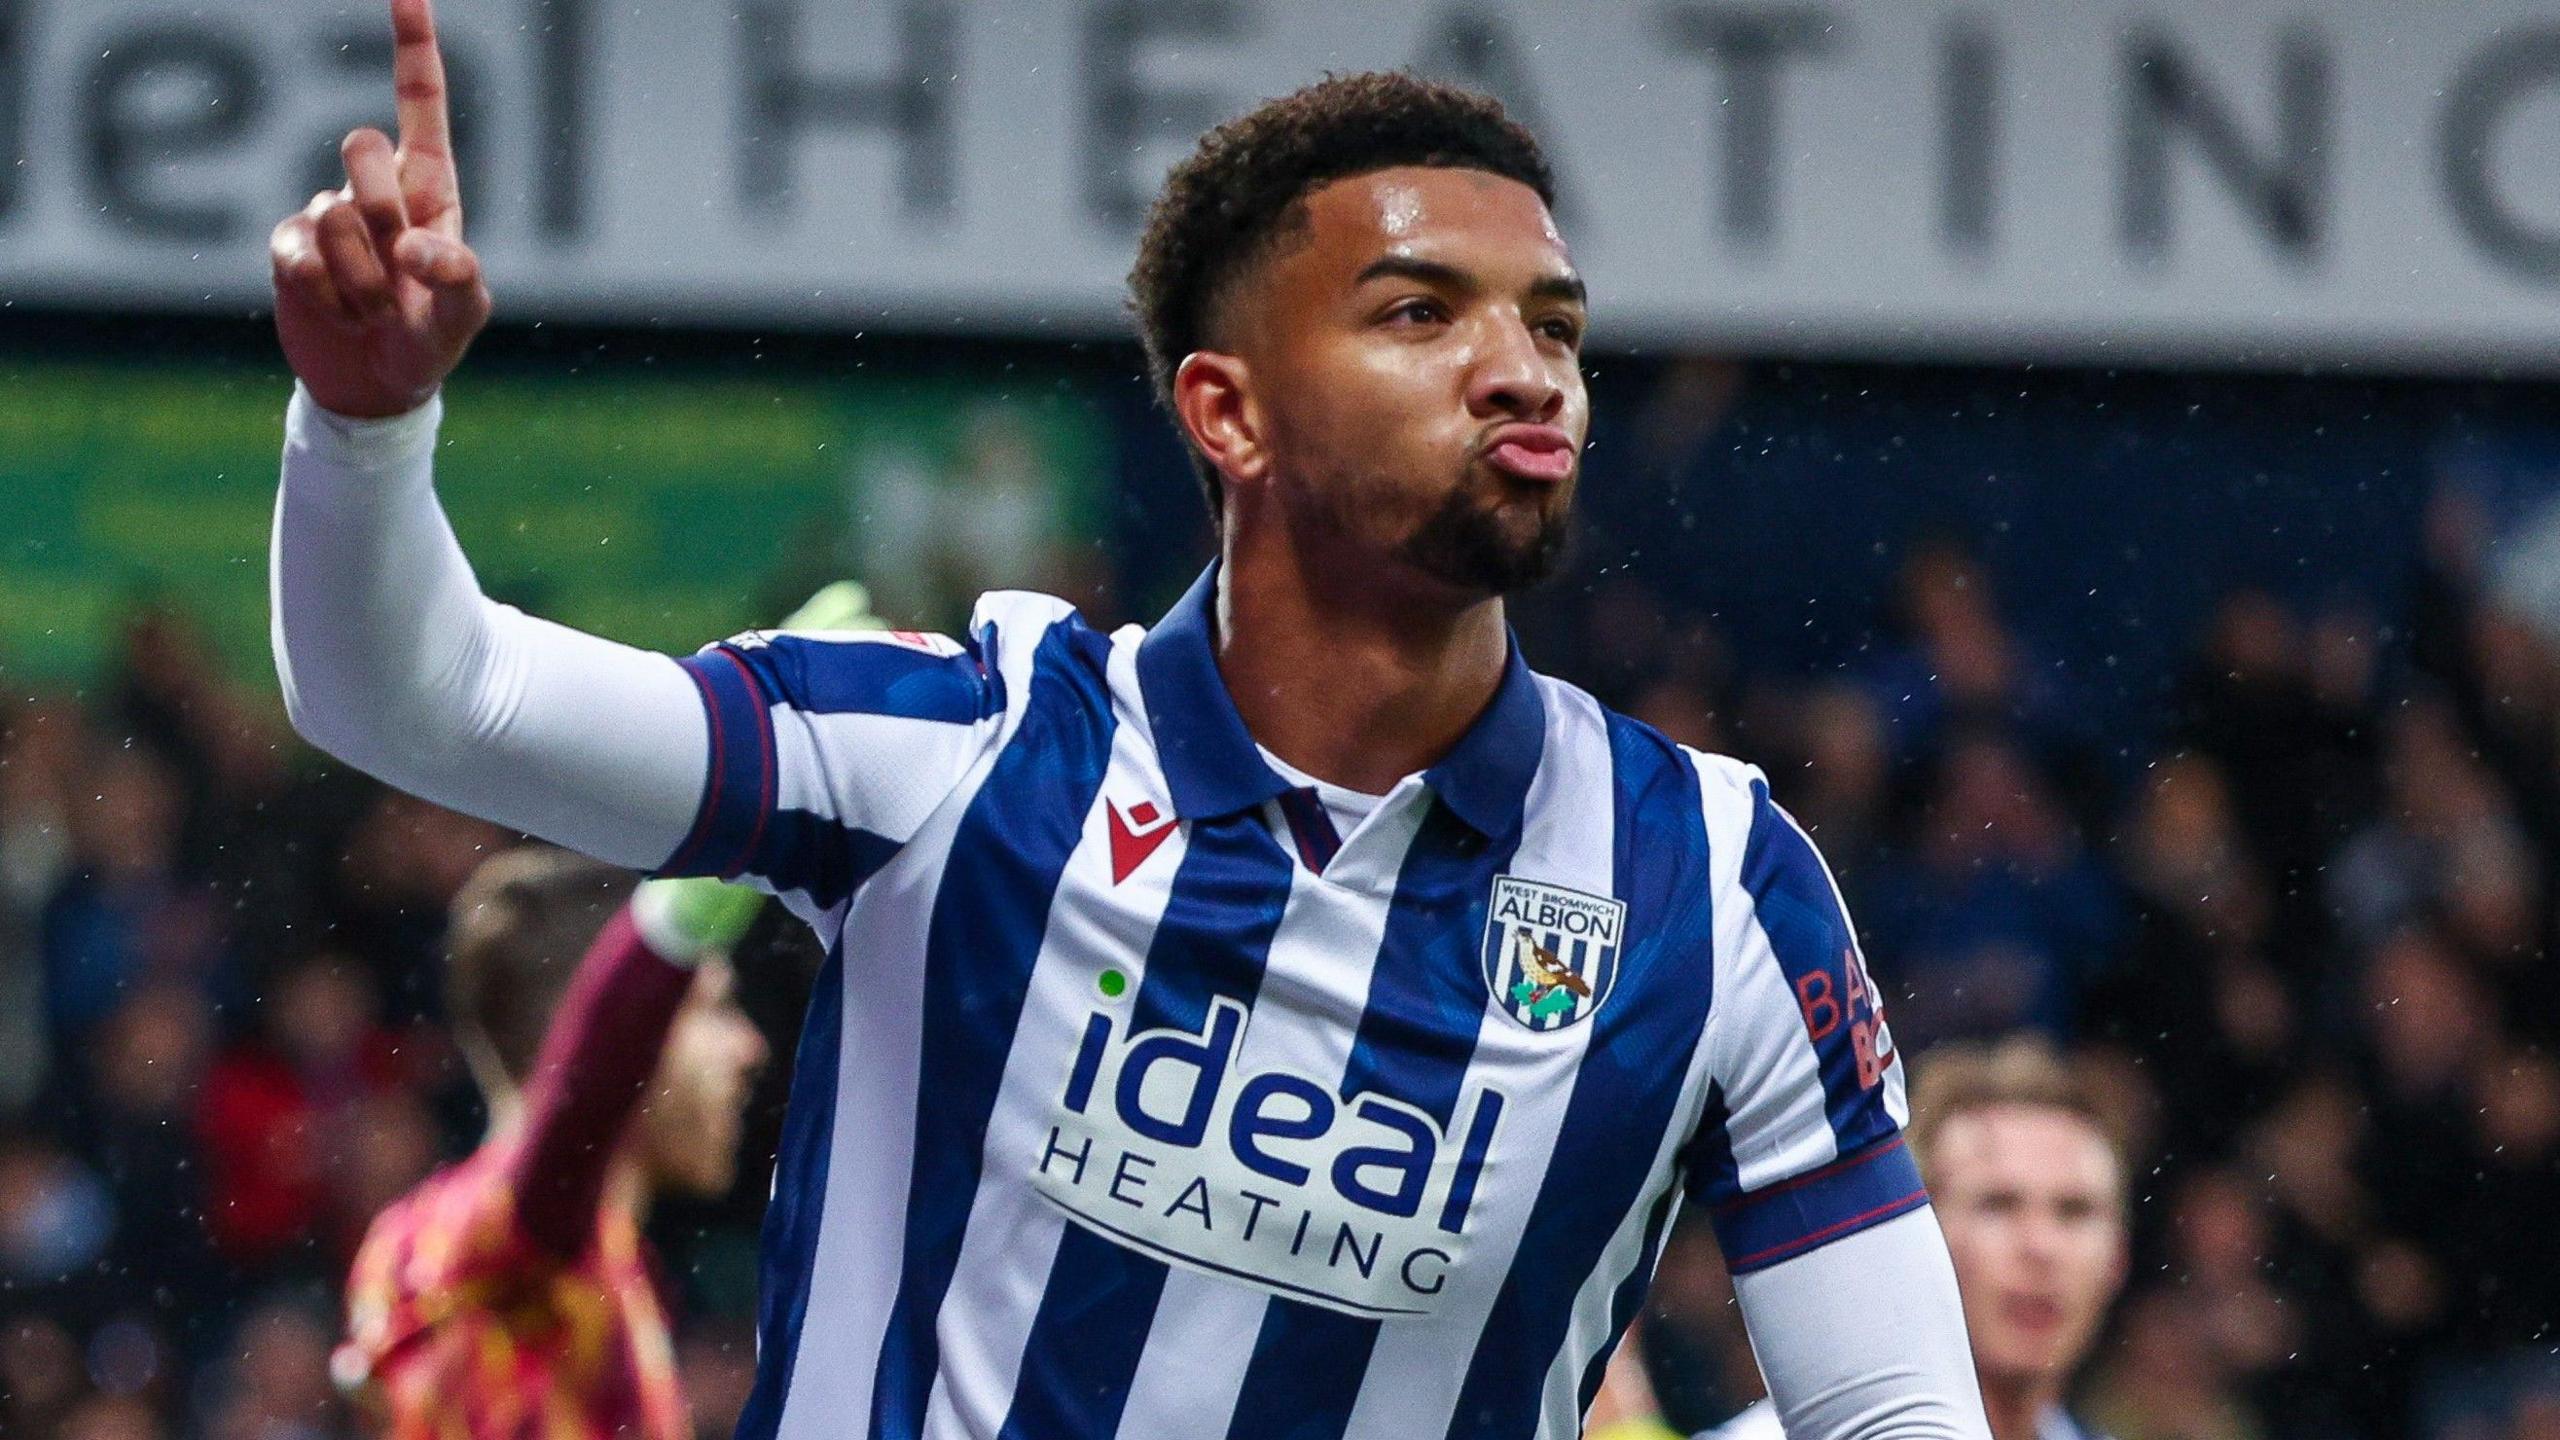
<point x="690" y="919"/>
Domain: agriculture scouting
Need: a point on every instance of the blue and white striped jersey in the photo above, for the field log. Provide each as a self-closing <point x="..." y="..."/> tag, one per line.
<point x="1133" y="1101"/>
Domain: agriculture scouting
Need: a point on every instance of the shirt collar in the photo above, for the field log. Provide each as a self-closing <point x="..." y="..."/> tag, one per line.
<point x="1212" y="766"/>
<point x="1485" y="777"/>
<point x="1210" y="762"/>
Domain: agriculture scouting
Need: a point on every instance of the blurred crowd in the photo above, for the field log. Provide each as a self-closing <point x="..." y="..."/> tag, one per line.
<point x="220" y="1055"/>
<point x="2299" y="936"/>
<point x="2300" y="928"/>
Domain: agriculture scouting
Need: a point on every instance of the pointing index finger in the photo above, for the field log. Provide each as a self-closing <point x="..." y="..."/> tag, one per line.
<point x="417" y="79"/>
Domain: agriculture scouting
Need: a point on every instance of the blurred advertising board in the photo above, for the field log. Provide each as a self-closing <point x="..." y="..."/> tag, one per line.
<point x="664" y="511"/>
<point x="2362" y="182"/>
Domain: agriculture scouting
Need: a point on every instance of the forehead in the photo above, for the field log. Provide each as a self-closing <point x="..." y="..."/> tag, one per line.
<point x="2022" y="1147"/>
<point x="1429" y="212"/>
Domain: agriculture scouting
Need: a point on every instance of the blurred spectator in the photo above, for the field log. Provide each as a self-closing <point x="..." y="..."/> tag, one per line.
<point x="388" y="1142"/>
<point x="2505" y="1246"/>
<point x="124" y="913"/>
<point x="1993" y="918"/>
<point x="41" y="1376"/>
<point x="136" y="1127"/>
<point x="2219" y="1244"/>
<point x="278" y="1109"/>
<point x="2289" y="722"/>
<point x="1959" y="663"/>
<point x="2165" y="1380"/>
<point x="110" y="1417"/>
<point x="2199" y="959"/>
<point x="55" y="1216"/>
<point x="274" y="1382"/>
<point x="42" y="743"/>
<point x="174" y="697"/>
<point x="2442" y="816"/>
<point x="1844" y="796"/>
<point x="396" y="872"/>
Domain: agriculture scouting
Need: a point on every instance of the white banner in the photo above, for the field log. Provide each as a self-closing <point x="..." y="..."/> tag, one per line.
<point x="2372" y="183"/>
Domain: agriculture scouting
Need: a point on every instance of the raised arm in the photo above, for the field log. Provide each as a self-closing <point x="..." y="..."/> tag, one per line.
<point x="603" y="1045"/>
<point x="389" y="655"/>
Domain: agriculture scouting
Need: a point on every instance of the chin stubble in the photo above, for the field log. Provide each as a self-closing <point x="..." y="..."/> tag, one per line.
<point x="1464" y="543"/>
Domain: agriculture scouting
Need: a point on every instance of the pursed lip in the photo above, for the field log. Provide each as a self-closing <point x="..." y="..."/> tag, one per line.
<point x="1530" y="451"/>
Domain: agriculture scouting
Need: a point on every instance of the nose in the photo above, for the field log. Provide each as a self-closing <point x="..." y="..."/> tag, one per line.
<point x="753" y="1052"/>
<point x="2040" y="1241"/>
<point x="1513" y="379"/>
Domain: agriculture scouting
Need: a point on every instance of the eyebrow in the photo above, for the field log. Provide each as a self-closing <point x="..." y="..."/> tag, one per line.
<point x="1559" y="285"/>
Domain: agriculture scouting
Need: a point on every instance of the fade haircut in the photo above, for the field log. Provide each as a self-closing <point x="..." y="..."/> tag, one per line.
<point x="1224" y="209"/>
<point x="2021" y="1071"/>
<point x="519" y="927"/>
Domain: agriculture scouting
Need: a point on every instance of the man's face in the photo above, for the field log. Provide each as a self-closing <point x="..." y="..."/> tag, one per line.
<point x="1415" y="374"/>
<point x="2032" y="1205"/>
<point x="690" y="1121"/>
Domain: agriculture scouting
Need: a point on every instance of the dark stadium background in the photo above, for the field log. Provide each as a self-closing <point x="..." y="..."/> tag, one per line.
<point x="2205" y="718"/>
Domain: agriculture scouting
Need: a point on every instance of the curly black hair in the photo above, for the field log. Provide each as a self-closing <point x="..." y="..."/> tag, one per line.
<point x="1221" y="208"/>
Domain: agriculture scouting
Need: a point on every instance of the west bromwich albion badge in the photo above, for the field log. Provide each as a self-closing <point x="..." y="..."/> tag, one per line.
<point x="1551" y="954"/>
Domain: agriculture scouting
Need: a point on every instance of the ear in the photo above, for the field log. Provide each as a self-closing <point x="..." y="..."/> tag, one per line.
<point x="1213" y="395"/>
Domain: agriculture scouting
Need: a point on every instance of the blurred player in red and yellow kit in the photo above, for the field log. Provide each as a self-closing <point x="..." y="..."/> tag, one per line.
<point x="510" y="1297"/>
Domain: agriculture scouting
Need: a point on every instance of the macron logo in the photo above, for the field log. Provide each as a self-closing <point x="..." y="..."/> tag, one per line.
<point x="1135" y="835"/>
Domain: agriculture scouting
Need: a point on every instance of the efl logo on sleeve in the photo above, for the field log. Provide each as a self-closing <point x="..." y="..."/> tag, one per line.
<point x="1551" y="954"/>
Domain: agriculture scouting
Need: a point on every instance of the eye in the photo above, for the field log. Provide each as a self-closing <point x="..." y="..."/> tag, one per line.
<point x="1563" y="329"/>
<point x="1420" y="310"/>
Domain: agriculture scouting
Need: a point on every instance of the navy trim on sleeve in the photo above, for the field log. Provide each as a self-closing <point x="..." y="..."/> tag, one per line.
<point x="1863" y="1188"/>
<point x="739" y="792"/>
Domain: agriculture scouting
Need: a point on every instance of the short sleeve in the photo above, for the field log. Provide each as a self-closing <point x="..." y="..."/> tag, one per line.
<point x="1801" y="1143"/>
<point x="829" y="751"/>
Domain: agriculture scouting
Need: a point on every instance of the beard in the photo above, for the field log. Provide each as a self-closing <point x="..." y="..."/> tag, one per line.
<point x="1470" y="542"/>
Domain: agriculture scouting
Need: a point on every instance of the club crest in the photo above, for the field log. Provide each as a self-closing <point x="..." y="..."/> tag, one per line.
<point x="1551" y="954"/>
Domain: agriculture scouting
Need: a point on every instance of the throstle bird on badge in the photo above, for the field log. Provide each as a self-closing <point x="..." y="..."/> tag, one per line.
<point x="1546" y="976"/>
<point x="1551" y="954"/>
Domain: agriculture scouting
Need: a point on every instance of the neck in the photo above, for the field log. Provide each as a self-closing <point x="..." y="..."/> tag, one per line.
<point x="1352" y="675"/>
<point x="2014" y="1404"/>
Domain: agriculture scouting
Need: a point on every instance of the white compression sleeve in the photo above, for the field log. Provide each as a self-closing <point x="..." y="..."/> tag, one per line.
<point x="1864" y="1339"/>
<point x="393" y="661"/>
